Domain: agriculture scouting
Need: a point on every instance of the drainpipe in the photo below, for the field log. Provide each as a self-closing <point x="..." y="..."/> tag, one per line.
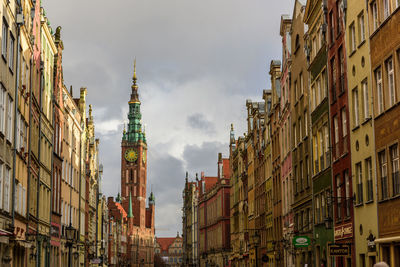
<point x="18" y="25"/>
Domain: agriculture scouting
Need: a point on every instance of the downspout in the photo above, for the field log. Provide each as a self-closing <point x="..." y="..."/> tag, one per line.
<point x="18" y="25"/>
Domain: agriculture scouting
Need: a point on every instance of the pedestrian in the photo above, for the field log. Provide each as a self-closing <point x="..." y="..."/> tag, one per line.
<point x="381" y="264"/>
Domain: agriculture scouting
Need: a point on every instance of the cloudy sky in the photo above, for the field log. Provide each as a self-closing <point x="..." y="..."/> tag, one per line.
<point x="197" y="63"/>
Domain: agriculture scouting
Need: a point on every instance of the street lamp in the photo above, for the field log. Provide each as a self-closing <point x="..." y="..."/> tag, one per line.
<point x="70" y="234"/>
<point x="256" y="241"/>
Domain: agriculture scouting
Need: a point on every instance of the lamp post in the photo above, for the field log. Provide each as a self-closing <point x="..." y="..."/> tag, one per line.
<point x="70" y="233"/>
<point x="256" y="241"/>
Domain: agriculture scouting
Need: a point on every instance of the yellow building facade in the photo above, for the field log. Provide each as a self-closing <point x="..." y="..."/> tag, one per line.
<point x="362" y="135"/>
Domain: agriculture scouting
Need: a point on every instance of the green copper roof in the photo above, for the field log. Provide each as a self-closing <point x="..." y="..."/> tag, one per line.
<point x="152" y="199"/>
<point x="118" y="199"/>
<point x="134" y="133"/>
<point x="130" y="212"/>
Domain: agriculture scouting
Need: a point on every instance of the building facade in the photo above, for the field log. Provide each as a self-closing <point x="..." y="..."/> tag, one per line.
<point x="190" y="234"/>
<point x="384" y="18"/>
<point x="170" y="249"/>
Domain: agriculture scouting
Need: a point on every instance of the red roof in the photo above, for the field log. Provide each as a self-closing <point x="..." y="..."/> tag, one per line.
<point x="165" y="242"/>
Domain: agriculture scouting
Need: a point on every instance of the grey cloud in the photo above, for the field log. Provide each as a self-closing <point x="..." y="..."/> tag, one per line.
<point x="204" y="157"/>
<point x="199" y="122"/>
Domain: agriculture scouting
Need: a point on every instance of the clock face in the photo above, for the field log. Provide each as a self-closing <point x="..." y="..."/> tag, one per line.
<point x="144" y="156"/>
<point x="131" y="155"/>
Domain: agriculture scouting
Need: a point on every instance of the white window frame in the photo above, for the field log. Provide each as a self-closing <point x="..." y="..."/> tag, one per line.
<point x="10" y="114"/>
<point x="375" y="16"/>
<point x="11" y="54"/>
<point x="344" y="122"/>
<point x="391" y="81"/>
<point x="2" y="108"/>
<point x="364" y="87"/>
<point x="386" y="9"/>
<point x="7" y="189"/>
<point x="356" y="108"/>
<point x="1" y="184"/>
<point x="352" y="33"/>
<point x="379" y="89"/>
<point x="4" y="40"/>
<point x="361" y="26"/>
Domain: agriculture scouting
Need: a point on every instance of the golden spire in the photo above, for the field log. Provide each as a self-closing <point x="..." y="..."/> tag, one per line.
<point x="134" y="73"/>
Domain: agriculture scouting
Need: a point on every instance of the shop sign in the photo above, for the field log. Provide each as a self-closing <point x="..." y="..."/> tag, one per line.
<point x="301" y="241"/>
<point x="343" y="231"/>
<point x="338" y="250"/>
<point x="55" y="231"/>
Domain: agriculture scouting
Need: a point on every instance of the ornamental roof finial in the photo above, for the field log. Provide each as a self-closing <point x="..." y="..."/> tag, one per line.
<point x="134" y="73"/>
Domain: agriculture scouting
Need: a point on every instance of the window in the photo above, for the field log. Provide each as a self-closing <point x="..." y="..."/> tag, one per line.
<point x="368" y="173"/>
<point x="390" y="77"/>
<point x="7" y="189"/>
<point x="4" y="40"/>
<point x="394" y="154"/>
<point x="352" y="37"/>
<point x="9" y="119"/>
<point x="375" y="19"/>
<point x="355" y="108"/>
<point x="339" y="197"/>
<point x="1" y="184"/>
<point x="336" y="128"/>
<point x="321" y="149"/>
<point x="307" y="172"/>
<point x="364" y="87"/>
<point x="344" y="129"/>
<point x="339" y="10"/>
<point x="348" y="193"/>
<point x="327" y="145"/>
<point x="11" y="55"/>
<point x="319" y="93"/>
<point x="333" y="75"/>
<point x="3" y="95"/>
<point x="323" y="85"/>
<point x="361" y="28"/>
<point x="332" y="28"/>
<point x="305" y="123"/>
<point x="295" y="134"/>
<point x="383" y="174"/>
<point x="341" y="65"/>
<point x="317" y="209"/>
<point x="359" y="183"/>
<point x="314" y="97"/>
<point x="295" y="92"/>
<point x="379" y="89"/>
<point x="323" y="207"/>
<point x="301" y="84"/>
<point x="386" y="9"/>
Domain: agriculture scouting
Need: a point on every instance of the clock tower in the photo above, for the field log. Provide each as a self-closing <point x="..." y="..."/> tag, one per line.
<point x="134" y="160"/>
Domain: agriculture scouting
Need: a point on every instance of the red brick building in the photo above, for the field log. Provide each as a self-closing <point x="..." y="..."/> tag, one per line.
<point x="340" y="131"/>
<point x="214" y="216"/>
<point x="139" y="219"/>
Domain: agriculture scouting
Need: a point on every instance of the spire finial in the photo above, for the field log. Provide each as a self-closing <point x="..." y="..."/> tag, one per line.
<point x="134" y="72"/>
